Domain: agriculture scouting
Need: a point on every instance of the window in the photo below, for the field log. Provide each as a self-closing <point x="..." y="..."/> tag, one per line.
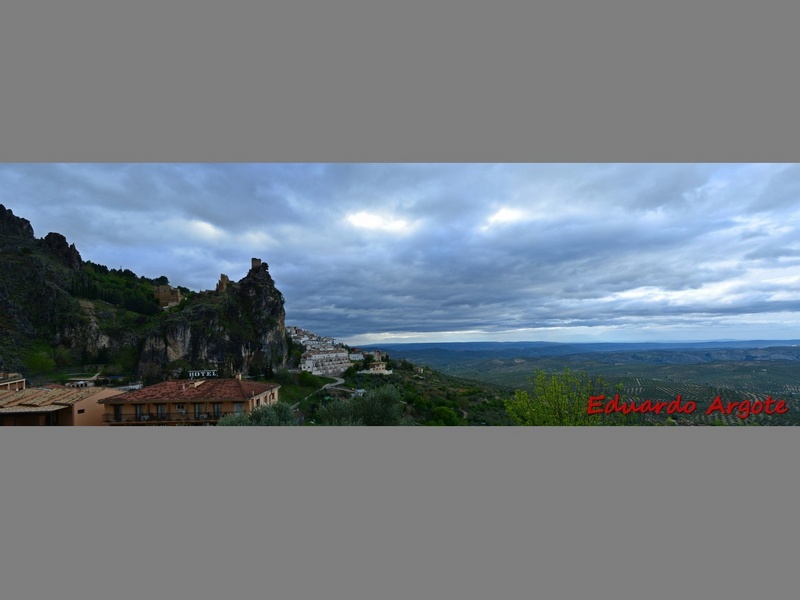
<point x="118" y="412"/>
<point x="217" y="411"/>
<point x="161" y="411"/>
<point x="81" y="411"/>
<point x="198" y="410"/>
<point x="180" y="407"/>
<point x="238" y="407"/>
<point x="139" y="408"/>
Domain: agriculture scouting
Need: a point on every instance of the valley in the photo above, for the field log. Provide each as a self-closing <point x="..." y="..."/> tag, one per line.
<point x="733" y="371"/>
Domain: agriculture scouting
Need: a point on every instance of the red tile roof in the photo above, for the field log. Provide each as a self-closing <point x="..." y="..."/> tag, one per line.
<point x="50" y="396"/>
<point x="187" y="390"/>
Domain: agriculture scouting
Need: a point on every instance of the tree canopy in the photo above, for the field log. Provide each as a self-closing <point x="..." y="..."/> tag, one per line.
<point x="276" y="414"/>
<point x="561" y="399"/>
<point x="379" y="406"/>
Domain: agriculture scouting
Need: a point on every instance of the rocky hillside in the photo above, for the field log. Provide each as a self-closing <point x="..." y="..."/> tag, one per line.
<point x="56" y="310"/>
<point x="240" y="329"/>
<point x="35" y="280"/>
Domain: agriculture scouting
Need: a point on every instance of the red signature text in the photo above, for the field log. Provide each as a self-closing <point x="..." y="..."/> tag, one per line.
<point x="742" y="408"/>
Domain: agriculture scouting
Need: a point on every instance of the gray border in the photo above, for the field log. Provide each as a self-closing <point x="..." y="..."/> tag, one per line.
<point x="413" y="81"/>
<point x="405" y="513"/>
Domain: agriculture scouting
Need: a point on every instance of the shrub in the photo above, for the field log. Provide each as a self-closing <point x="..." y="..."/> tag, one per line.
<point x="443" y="415"/>
<point x="338" y="412"/>
<point x="277" y="414"/>
<point x="558" y="399"/>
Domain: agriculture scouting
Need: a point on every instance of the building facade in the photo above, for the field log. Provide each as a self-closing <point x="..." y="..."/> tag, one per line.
<point x="11" y="381"/>
<point x="329" y="361"/>
<point x="54" y="405"/>
<point x="187" y="402"/>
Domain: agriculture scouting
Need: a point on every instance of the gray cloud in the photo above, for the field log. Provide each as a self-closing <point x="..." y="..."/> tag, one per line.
<point x="654" y="251"/>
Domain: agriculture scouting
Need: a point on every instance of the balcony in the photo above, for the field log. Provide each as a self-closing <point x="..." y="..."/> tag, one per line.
<point x="174" y="418"/>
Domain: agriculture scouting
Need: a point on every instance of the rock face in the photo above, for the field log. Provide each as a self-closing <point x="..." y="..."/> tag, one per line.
<point x="91" y="336"/>
<point x="240" y="330"/>
<point x="66" y="253"/>
<point x="35" y="301"/>
<point x="11" y="225"/>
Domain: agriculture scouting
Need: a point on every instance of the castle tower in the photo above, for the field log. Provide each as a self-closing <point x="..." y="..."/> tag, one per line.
<point x="167" y="295"/>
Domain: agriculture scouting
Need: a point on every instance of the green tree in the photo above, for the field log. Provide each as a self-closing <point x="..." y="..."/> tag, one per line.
<point x="405" y="365"/>
<point x="62" y="356"/>
<point x="40" y="361"/>
<point x="235" y="420"/>
<point x="338" y="412"/>
<point x="443" y="415"/>
<point x="137" y="303"/>
<point x="368" y="359"/>
<point x="278" y="414"/>
<point x="381" y="406"/>
<point x="559" y="399"/>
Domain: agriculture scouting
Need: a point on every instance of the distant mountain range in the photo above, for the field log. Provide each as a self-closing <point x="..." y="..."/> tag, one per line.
<point x="572" y="347"/>
<point x="460" y="353"/>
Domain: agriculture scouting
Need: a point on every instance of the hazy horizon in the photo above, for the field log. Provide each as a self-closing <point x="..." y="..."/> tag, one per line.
<point x="582" y="342"/>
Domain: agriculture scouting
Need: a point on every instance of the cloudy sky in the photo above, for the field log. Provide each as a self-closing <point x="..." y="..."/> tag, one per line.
<point x="453" y="252"/>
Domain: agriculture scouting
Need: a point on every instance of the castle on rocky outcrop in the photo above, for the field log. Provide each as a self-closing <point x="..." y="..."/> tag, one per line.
<point x="244" y="333"/>
<point x="167" y="295"/>
<point x="222" y="284"/>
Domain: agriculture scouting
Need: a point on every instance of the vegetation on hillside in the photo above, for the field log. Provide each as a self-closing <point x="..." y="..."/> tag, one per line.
<point x="409" y="396"/>
<point x="382" y="406"/>
<point x="278" y="414"/>
<point x="118" y="287"/>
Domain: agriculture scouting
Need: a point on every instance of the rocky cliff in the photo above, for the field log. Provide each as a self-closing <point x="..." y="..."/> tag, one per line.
<point x="35" y="281"/>
<point x="240" y="329"/>
<point x="86" y="313"/>
<point x="13" y="226"/>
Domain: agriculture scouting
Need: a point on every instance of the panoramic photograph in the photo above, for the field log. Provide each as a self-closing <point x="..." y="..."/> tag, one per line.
<point x="152" y="295"/>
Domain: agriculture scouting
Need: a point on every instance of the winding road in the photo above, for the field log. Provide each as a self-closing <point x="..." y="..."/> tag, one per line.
<point x="333" y="384"/>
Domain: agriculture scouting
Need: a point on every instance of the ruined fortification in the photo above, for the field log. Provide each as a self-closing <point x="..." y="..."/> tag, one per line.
<point x="167" y="295"/>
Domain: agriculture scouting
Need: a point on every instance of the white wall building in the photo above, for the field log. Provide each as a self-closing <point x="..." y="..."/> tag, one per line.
<point x="328" y="361"/>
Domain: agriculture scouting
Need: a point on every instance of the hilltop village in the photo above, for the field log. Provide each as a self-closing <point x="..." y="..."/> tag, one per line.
<point x="323" y="356"/>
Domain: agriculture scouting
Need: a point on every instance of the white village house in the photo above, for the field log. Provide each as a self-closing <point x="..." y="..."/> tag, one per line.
<point x="328" y="361"/>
